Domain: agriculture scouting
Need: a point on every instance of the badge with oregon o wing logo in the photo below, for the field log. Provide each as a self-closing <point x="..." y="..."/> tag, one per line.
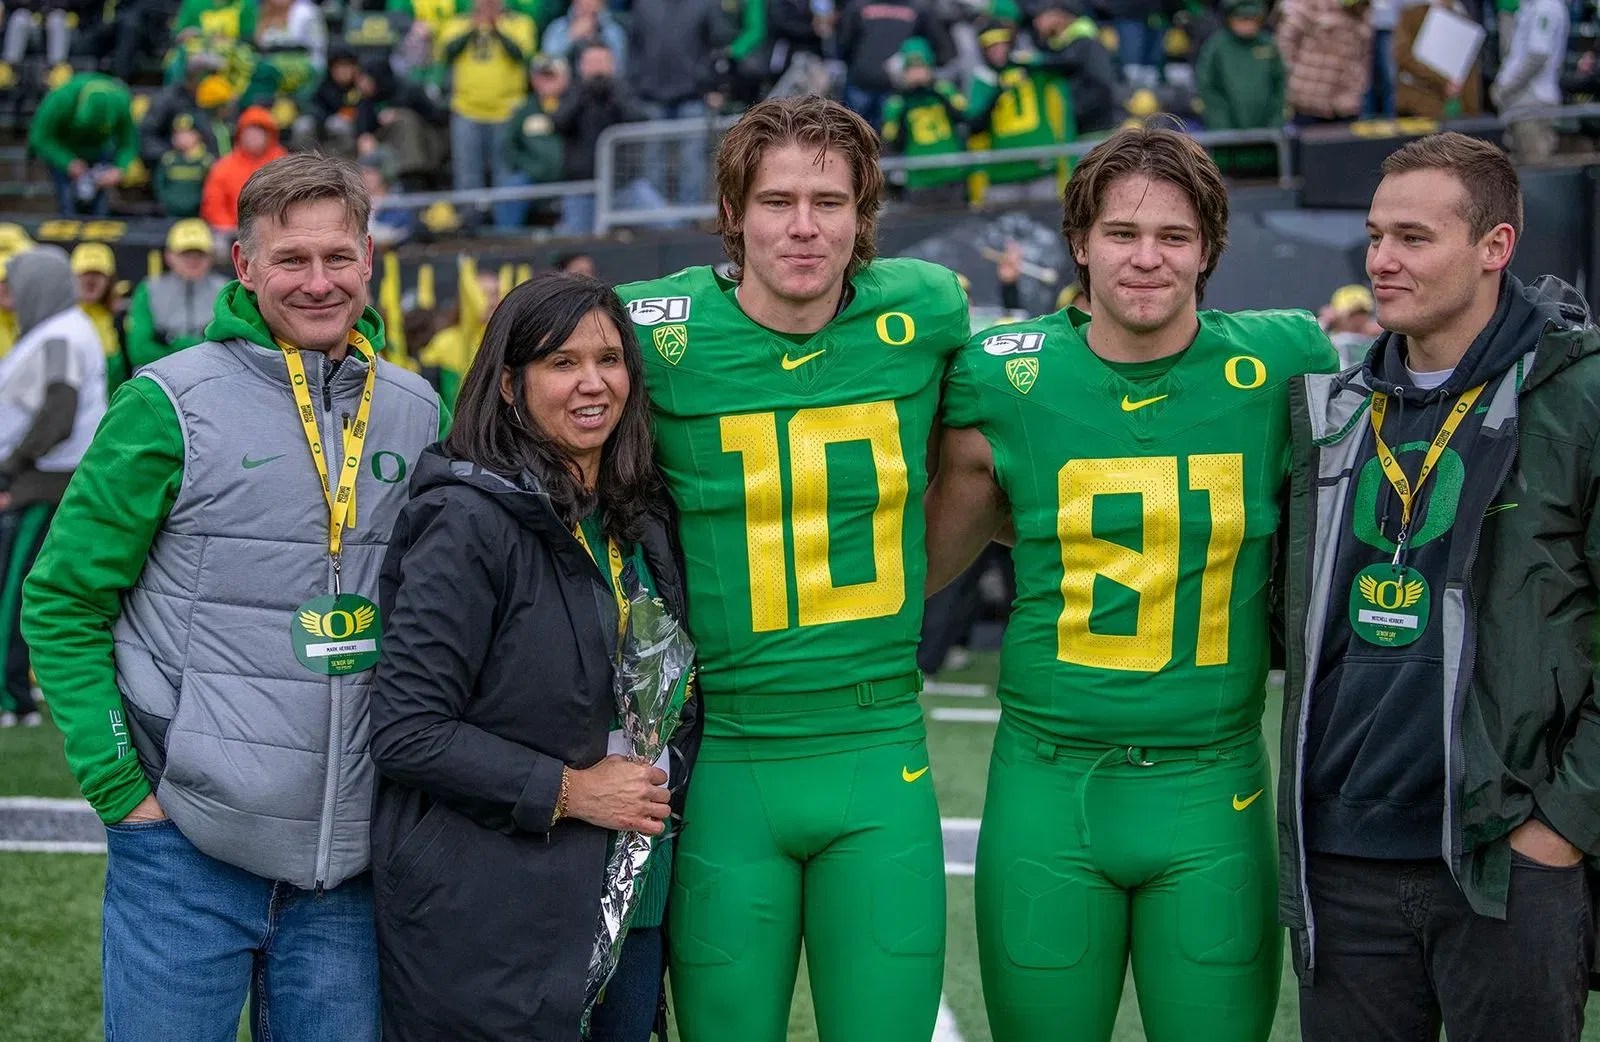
<point x="672" y="341"/>
<point x="1389" y="606"/>
<point x="1022" y="372"/>
<point x="336" y="635"/>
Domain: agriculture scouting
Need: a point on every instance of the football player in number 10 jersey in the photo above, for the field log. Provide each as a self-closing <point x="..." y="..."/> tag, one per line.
<point x="793" y="404"/>
<point x="1141" y="451"/>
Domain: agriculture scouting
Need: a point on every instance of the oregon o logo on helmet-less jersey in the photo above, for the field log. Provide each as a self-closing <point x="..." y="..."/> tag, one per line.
<point x="907" y="328"/>
<point x="652" y="311"/>
<point x="1246" y="372"/>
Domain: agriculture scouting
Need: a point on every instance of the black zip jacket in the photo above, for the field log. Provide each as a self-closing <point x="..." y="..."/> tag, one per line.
<point x="496" y="671"/>
<point x="1516" y="608"/>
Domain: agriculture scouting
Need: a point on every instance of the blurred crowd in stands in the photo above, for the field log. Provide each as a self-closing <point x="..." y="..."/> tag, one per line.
<point x="167" y="106"/>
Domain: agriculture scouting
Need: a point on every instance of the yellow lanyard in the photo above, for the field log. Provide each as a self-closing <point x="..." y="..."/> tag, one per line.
<point x="614" y="559"/>
<point x="341" y="498"/>
<point x="1391" y="467"/>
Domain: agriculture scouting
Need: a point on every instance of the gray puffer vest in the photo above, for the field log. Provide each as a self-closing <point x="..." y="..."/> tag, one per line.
<point x="258" y="761"/>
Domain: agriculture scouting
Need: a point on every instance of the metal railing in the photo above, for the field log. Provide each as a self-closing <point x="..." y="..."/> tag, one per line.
<point x="608" y="171"/>
<point x="618" y="145"/>
<point x="484" y="196"/>
<point x="612" y="171"/>
<point x="1277" y="137"/>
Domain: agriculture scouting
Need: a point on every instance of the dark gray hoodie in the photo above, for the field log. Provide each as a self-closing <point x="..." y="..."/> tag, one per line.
<point x="1374" y="764"/>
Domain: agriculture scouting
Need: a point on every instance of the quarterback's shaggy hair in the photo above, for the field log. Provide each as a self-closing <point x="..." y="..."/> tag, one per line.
<point x="812" y="122"/>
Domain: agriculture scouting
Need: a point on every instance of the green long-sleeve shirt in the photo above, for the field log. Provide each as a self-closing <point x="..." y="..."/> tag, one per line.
<point x="119" y="498"/>
<point x="58" y="134"/>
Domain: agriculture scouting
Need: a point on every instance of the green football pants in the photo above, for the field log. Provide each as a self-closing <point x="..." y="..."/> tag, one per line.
<point x="843" y="850"/>
<point x="1090" y="856"/>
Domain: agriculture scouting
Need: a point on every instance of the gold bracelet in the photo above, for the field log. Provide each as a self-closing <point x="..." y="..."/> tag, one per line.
<point x="561" y="798"/>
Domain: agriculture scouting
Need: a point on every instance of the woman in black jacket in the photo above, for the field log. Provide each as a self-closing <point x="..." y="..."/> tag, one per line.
<point x="496" y="798"/>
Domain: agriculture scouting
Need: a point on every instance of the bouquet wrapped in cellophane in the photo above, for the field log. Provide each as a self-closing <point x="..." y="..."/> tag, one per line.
<point x="655" y="661"/>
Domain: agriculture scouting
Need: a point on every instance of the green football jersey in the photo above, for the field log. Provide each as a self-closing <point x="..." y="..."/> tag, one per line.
<point x="798" y="467"/>
<point x="1145" y="500"/>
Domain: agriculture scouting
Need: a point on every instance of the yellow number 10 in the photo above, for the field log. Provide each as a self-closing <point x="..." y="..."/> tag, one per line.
<point x="755" y="438"/>
<point x="1152" y="572"/>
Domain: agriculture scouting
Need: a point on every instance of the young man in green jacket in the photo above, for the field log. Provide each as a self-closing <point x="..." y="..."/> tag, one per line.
<point x="1240" y="72"/>
<point x="85" y="135"/>
<point x="201" y="618"/>
<point x="1440" y="784"/>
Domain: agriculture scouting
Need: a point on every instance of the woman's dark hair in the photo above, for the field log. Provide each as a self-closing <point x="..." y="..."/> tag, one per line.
<point x="534" y="320"/>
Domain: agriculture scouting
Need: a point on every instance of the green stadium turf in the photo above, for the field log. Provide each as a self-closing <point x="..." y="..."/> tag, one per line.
<point x="50" y="903"/>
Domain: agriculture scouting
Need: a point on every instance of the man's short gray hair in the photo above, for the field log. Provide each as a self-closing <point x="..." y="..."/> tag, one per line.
<point x="301" y="177"/>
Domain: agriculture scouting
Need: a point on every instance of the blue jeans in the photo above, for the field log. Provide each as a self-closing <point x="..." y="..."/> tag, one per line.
<point x="677" y="168"/>
<point x="578" y="211"/>
<point x="627" y="1007"/>
<point x="187" y="938"/>
<point x="1380" y="96"/>
<point x="67" y="201"/>
<point x="478" y="159"/>
<point x="868" y="104"/>
<point x="1139" y="43"/>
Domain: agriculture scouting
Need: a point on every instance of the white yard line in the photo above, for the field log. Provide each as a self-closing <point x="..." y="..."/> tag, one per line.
<point x="944" y="1028"/>
<point x="966" y="716"/>
<point x="50" y="846"/>
<point x="954" y="690"/>
<point x="44" y="803"/>
<point x="960" y="868"/>
<point x="960" y="824"/>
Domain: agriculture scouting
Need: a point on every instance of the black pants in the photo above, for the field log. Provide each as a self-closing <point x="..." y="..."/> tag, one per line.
<point x="1399" y="953"/>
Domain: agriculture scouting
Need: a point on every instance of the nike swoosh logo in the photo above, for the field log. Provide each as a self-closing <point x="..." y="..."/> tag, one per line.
<point x="1239" y="804"/>
<point x="1128" y="406"/>
<point x="252" y="464"/>
<point x="1498" y="507"/>
<point x="909" y="775"/>
<point x="796" y="363"/>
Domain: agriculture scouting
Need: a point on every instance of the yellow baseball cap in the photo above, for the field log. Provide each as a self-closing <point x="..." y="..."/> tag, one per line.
<point x="191" y="233"/>
<point x="13" y="240"/>
<point x="94" y="256"/>
<point x="1347" y="300"/>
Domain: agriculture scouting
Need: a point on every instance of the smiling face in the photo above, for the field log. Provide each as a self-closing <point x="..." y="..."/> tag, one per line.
<point x="799" y="230"/>
<point x="1431" y="277"/>
<point x="309" y="273"/>
<point x="575" y="394"/>
<point x="1144" y="255"/>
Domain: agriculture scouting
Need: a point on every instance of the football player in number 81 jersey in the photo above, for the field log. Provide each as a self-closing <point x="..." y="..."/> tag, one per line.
<point x="1141" y="450"/>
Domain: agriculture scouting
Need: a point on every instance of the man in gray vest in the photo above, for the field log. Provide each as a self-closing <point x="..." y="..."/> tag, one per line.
<point x="202" y="620"/>
<point x="170" y="311"/>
